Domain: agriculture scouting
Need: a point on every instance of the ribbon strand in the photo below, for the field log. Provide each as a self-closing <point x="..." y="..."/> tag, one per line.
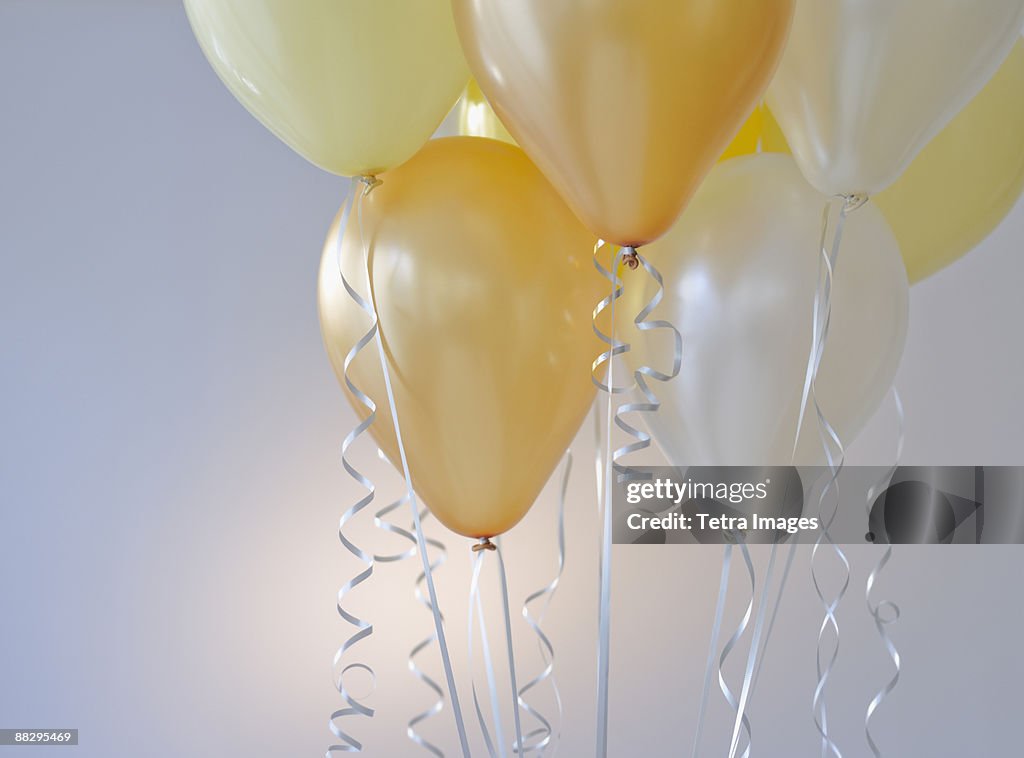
<point x="544" y="735"/>
<point x="731" y="643"/>
<point x="611" y="462"/>
<point x="495" y="747"/>
<point x="363" y="628"/>
<point x="885" y="612"/>
<point x="834" y="455"/>
<point x="716" y="627"/>
<point x="370" y="183"/>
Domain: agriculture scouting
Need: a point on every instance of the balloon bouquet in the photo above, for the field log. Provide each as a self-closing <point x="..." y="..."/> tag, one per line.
<point x="469" y="263"/>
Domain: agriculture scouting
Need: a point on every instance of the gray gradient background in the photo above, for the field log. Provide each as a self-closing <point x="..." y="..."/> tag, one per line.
<point x="170" y="482"/>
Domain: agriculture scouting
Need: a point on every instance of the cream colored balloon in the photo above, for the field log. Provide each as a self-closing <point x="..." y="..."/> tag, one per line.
<point x="865" y="84"/>
<point x="740" y="272"/>
<point x="355" y="86"/>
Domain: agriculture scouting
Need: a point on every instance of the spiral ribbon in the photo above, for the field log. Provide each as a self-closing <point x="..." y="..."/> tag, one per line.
<point x="382" y="523"/>
<point x="440" y="560"/>
<point x="544" y="735"/>
<point x="616" y="347"/>
<point x="884" y="612"/>
<point x="834" y="455"/>
<point x="364" y="629"/>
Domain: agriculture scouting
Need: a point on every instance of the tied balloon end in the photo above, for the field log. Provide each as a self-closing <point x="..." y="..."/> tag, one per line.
<point x="370" y="182"/>
<point x="484" y="544"/>
<point x="630" y="258"/>
<point x="854" y="201"/>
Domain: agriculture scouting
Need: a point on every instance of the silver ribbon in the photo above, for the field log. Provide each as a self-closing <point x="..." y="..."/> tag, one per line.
<point x="497" y="746"/>
<point x="539" y="739"/>
<point x="834" y="455"/>
<point x="364" y="629"/>
<point x="752" y="657"/>
<point x="615" y="347"/>
<point x="723" y="588"/>
<point x="884" y="612"/>
<point x="383" y="524"/>
<point x="731" y="643"/>
<point x="611" y="461"/>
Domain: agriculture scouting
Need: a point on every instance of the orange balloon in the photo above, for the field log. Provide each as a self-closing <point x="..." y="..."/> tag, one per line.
<point x="484" y="287"/>
<point x="625" y="105"/>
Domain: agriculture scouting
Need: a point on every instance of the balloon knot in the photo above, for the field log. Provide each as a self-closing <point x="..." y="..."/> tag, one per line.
<point x="853" y="202"/>
<point x="484" y="544"/>
<point x="629" y="257"/>
<point x="370" y="182"/>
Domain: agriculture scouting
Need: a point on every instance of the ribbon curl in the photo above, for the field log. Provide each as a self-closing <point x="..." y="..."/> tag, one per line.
<point x="633" y="259"/>
<point x="363" y="628"/>
<point x="834" y="455"/>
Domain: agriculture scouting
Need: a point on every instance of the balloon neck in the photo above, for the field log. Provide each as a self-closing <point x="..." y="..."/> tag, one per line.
<point x="629" y="257"/>
<point x="484" y="544"/>
<point x="369" y="183"/>
<point x="854" y="201"/>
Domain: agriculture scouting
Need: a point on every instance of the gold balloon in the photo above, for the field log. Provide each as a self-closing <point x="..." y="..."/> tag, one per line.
<point x="354" y="87"/>
<point x="965" y="181"/>
<point x="477" y="118"/>
<point x="484" y="286"/>
<point x="625" y="106"/>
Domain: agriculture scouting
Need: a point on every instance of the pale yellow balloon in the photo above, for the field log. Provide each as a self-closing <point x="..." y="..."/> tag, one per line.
<point x="625" y="106"/>
<point x="355" y="86"/>
<point x="965" y="181"/>
<point x="484" y="283"/>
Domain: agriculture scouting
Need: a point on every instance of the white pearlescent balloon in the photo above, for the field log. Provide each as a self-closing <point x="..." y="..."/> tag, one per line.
<point x="740" y="269"/>
<point x="864" y="85"/>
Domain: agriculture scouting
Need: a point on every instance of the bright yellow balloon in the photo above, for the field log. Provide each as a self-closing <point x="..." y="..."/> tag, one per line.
<point x="355" y="86"/>
<point x="746" y="140"/>
<point x="625" y="106"/>
<point x="965" y="181"/>
<point x="484" y="284"/>
<point x="477" y="118"/>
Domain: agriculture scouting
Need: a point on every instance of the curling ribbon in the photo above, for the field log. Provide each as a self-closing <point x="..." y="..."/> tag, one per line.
<point x="369" y="183"/>
<point x="544" y="735"/>
<point x="442" y="556"/>
<point x="633" y="259"/>
<point x="879" y="610"/>
<point x="364" y="628"/>
<point x="834" y="455"/>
